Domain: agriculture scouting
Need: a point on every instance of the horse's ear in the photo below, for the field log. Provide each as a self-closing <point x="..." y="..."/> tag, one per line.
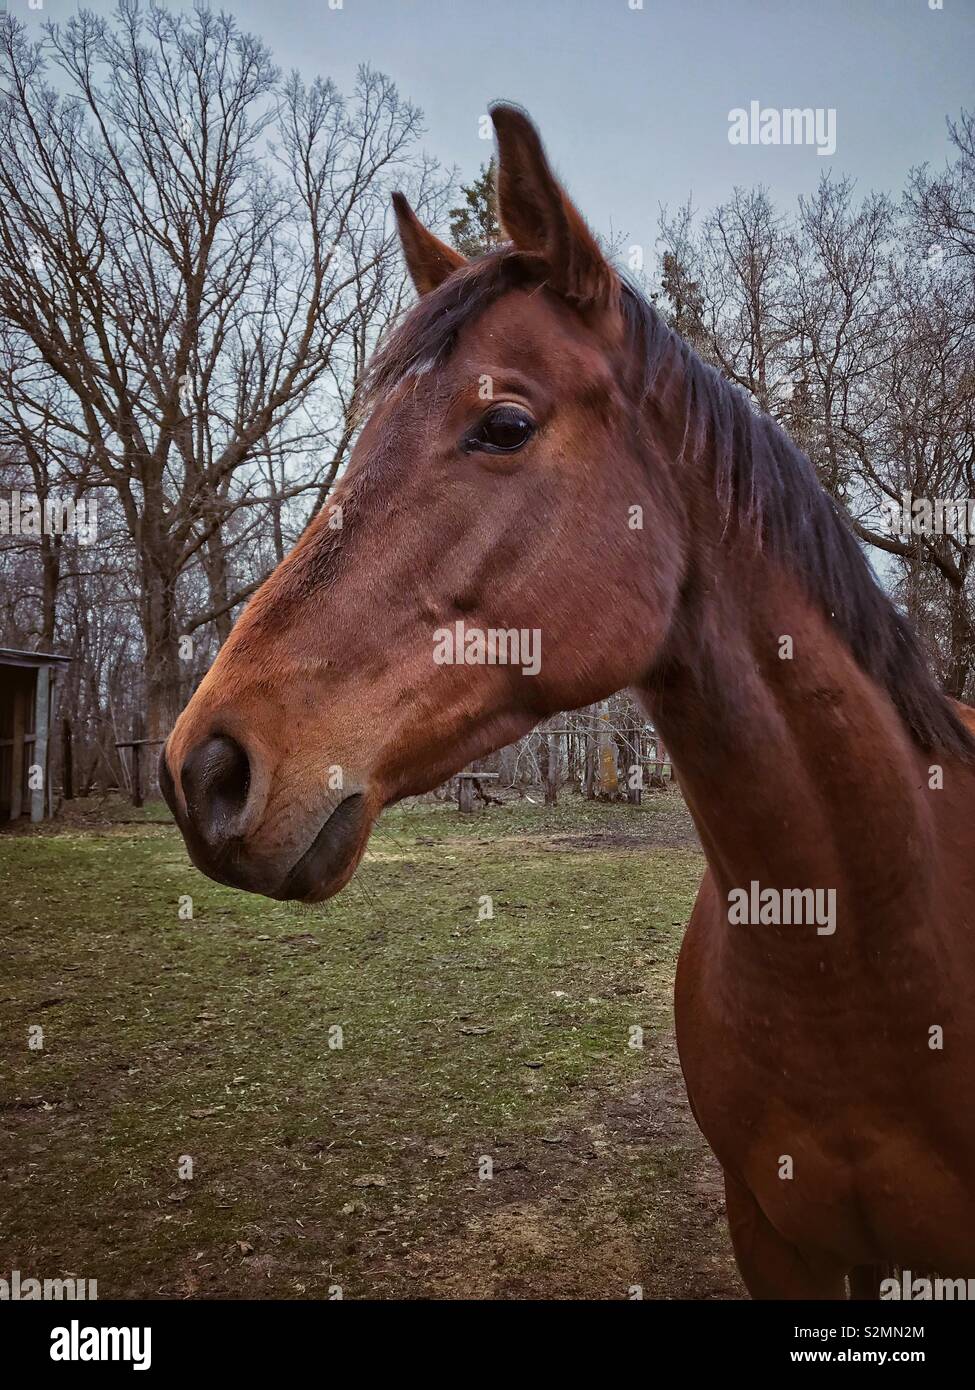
<point x="428" y="259"/>
<point x="539" y="217"/>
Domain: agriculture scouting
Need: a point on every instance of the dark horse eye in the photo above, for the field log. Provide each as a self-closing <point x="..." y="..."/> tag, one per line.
<point x="501" y="431"/>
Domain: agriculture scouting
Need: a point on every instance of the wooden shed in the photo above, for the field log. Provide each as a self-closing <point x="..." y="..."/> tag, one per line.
<point x="26" y="698"/>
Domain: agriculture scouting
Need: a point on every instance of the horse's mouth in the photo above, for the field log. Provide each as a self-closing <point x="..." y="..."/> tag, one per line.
<point x="331" y="859"/>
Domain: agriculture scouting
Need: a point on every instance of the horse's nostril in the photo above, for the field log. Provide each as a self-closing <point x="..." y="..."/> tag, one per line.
<point x="216" y="779"/>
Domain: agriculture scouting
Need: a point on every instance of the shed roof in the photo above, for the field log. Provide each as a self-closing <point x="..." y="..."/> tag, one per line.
<point x="10" y="656"/>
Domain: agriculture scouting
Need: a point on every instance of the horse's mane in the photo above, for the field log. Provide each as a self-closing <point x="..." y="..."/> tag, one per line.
<point x="764" y="480"/>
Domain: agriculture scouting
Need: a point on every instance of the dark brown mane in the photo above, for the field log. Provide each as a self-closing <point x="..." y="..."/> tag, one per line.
<point x="765" y="482"/>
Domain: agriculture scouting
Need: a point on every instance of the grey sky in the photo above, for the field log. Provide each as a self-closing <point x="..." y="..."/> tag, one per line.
<point x="633" y="104"/>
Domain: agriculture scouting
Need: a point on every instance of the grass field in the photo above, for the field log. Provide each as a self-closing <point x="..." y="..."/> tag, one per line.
<point x="470" y="1045"/>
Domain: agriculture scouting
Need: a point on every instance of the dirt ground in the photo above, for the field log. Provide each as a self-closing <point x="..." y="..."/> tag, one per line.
<point x="500" y="1114"/>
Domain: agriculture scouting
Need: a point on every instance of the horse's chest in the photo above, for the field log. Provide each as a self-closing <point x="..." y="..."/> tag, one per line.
<point x="840" y="1120"/>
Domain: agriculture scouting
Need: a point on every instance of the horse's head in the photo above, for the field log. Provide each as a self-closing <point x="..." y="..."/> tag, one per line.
<point x="498" y="549"/>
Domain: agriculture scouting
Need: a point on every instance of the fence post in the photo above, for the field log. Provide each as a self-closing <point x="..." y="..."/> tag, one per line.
<point x="138" y="734"/>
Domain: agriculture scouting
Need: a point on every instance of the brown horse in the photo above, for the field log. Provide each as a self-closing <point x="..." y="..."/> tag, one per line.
<point x="543" y="456"/>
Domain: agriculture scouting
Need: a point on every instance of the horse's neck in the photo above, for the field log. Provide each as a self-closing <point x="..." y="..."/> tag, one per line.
<point x="796" y="766"/>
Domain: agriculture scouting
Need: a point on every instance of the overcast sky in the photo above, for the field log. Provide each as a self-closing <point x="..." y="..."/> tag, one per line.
<point x="633" y="104"/>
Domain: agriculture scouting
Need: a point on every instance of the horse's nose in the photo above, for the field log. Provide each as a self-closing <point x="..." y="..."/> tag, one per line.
<point x="216" y="778"/>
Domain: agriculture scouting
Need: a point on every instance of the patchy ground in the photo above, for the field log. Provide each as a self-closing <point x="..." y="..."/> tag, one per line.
<point x="470" y="1045"/>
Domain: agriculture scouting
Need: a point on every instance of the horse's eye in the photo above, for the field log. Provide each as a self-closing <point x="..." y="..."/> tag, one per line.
<point x="501" y="431"/>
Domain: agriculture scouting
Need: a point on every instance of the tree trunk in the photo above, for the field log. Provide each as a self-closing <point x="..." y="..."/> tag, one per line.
<point x="548" y="764"/>
<point x="67" y="761"/>
<point x="634" y="773"/>
<point x="138" y="755"/>
<point x="217" y="580"/>
<point x="960" y="637"/>
<point x="552" y="785"/>
<point x="162" y="655"/>
<point x="589" y="774"/>
<point x="50" y="579"/>
<point x="608" y="776"/>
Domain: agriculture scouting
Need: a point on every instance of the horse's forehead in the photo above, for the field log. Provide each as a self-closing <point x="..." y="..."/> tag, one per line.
<point x="528" y="329"/>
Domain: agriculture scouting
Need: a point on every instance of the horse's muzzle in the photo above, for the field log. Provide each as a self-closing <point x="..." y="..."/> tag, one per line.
<point x="219" y="809"/>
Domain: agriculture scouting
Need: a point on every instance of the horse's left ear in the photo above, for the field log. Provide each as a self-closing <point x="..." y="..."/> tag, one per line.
<point x="539" y="217"/>
<point x="428" y="259"/>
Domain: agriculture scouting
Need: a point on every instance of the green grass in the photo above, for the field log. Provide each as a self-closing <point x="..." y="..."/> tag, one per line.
<point x="315" y="1165"/>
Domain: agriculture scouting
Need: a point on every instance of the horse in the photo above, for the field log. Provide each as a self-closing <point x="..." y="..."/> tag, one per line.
<point x="540" y="453"/>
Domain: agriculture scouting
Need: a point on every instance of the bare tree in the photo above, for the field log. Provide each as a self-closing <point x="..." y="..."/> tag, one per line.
<point x="198" y="252"/>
